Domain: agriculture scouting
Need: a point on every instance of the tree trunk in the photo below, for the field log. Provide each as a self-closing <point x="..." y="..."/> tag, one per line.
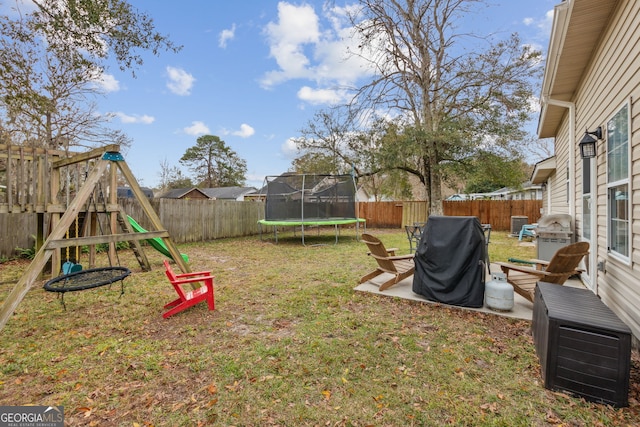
<point x="435" y="199"/>
<point x="426" y="166"/>
<point x="434" y="188"/>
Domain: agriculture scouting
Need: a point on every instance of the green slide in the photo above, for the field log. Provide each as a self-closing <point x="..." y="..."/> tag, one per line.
<point x="156" y="242"/>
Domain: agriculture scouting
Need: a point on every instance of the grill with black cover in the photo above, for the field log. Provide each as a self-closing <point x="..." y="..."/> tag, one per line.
<point x="450" y="261"/>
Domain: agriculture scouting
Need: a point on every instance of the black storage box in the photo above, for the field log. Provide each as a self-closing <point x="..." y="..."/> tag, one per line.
<point x="583" y="347"/>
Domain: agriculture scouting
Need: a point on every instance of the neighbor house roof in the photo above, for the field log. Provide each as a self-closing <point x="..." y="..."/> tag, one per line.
<point x="577" y="28"/>
<point x="528" y="185"/>
<point x="181" y="193"/>
<point x="228" y="192"/>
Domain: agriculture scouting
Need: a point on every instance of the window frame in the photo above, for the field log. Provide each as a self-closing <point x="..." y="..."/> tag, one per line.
<point x="587" y="199"/>
<point x="618" y="182"/>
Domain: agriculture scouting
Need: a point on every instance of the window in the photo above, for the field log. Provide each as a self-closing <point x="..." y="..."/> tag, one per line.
<point x="618" y="182"/>
<point x="586" y="199"/>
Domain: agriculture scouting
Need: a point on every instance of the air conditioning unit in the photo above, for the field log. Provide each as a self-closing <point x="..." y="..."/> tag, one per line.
<point x="516" y="224"/>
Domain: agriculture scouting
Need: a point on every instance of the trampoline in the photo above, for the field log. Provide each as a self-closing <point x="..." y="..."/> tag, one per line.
<point x="310" y="200"/>
<point x="317" y="223"/>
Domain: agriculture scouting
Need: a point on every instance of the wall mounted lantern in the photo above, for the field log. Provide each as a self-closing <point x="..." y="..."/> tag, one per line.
<point x="588" y="143"/>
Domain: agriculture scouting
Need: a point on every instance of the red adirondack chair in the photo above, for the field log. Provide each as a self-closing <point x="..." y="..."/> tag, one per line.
<point x="189" y="298"/>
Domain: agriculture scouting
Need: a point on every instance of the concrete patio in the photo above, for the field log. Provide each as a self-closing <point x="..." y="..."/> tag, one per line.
<point x="522" y="309"/>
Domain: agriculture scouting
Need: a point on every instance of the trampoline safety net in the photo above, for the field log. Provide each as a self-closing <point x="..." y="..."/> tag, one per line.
<point x="306" y="197"/>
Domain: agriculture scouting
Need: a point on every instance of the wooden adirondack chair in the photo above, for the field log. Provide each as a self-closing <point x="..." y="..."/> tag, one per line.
<point x="401" y="266"/>
<point x="563" y="265"/>
<point x="189" y="298"/>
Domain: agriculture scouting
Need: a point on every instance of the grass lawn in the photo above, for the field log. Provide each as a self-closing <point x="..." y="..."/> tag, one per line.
<point x="289" y="344"/>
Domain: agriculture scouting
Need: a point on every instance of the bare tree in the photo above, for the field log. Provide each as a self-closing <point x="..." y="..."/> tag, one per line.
<point x="329" y="133"/>
<point x="91" y="31"/>
<point x="315" y="162"/>
<point x="47" y="99"/>
<point x="449" y="92"/>
<point x="333" y="134"/>
<point x="171" y="177"/>
<point x="49" y="60"/>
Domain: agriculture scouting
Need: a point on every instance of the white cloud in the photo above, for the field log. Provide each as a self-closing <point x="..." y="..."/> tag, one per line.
<point x="245" y="131"/>
<point x="297" y="26"/>
<point x="336" y="52"/>
<point x="321" y="96"/>
<point x="180" y="82"/>
<point x="534" y="104"/>
<point x="543" y="24"/>
<point x="128" y="119"/>
<point x="303" y="49"/>
<point x="106" y="82"/>
<point x="289" y="148"/>
<point x="226" y="35"/>
<point x="547" y="23"/>
<point x="255" y="180"/>
<point x="197" y="128"/>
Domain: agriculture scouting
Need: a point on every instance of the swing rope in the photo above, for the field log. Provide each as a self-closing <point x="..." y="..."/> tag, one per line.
<point x="95" y="207"/>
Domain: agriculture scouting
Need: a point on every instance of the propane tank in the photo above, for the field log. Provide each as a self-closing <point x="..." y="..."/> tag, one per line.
<point x="498" y="293"/>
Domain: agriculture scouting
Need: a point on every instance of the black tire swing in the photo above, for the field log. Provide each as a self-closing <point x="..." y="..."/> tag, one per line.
<point x="74" y="280"/>
<point x="87" y="279"/>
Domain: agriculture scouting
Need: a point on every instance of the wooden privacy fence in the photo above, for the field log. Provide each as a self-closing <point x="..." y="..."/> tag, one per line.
<point x="498" y="213"/>
<point x="202" y="220"/>
<point x="381" y="214"/>
<point x="17" y="231"/>
<point x="185" y="220"/>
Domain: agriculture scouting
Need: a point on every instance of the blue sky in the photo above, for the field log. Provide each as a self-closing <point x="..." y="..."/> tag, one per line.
<point x="253" y="72"/>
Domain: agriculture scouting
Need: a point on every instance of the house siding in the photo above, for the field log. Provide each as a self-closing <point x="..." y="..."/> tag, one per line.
<point x="558" y="182"/>
<point x="612" y="79"/>
<point x="547" y="205"/>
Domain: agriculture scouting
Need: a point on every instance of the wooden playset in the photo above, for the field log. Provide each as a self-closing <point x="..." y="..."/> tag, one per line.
<point x="68" y="191"/>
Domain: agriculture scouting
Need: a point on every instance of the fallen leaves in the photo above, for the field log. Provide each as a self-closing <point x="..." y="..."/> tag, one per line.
<point x="212" y="388"/>
<point x="233" y="387"/>
<point x="552" y="417"/>
<point x="491" y="407"/>
<point x="282" y="352"/>
<point x="86" y="411"/>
